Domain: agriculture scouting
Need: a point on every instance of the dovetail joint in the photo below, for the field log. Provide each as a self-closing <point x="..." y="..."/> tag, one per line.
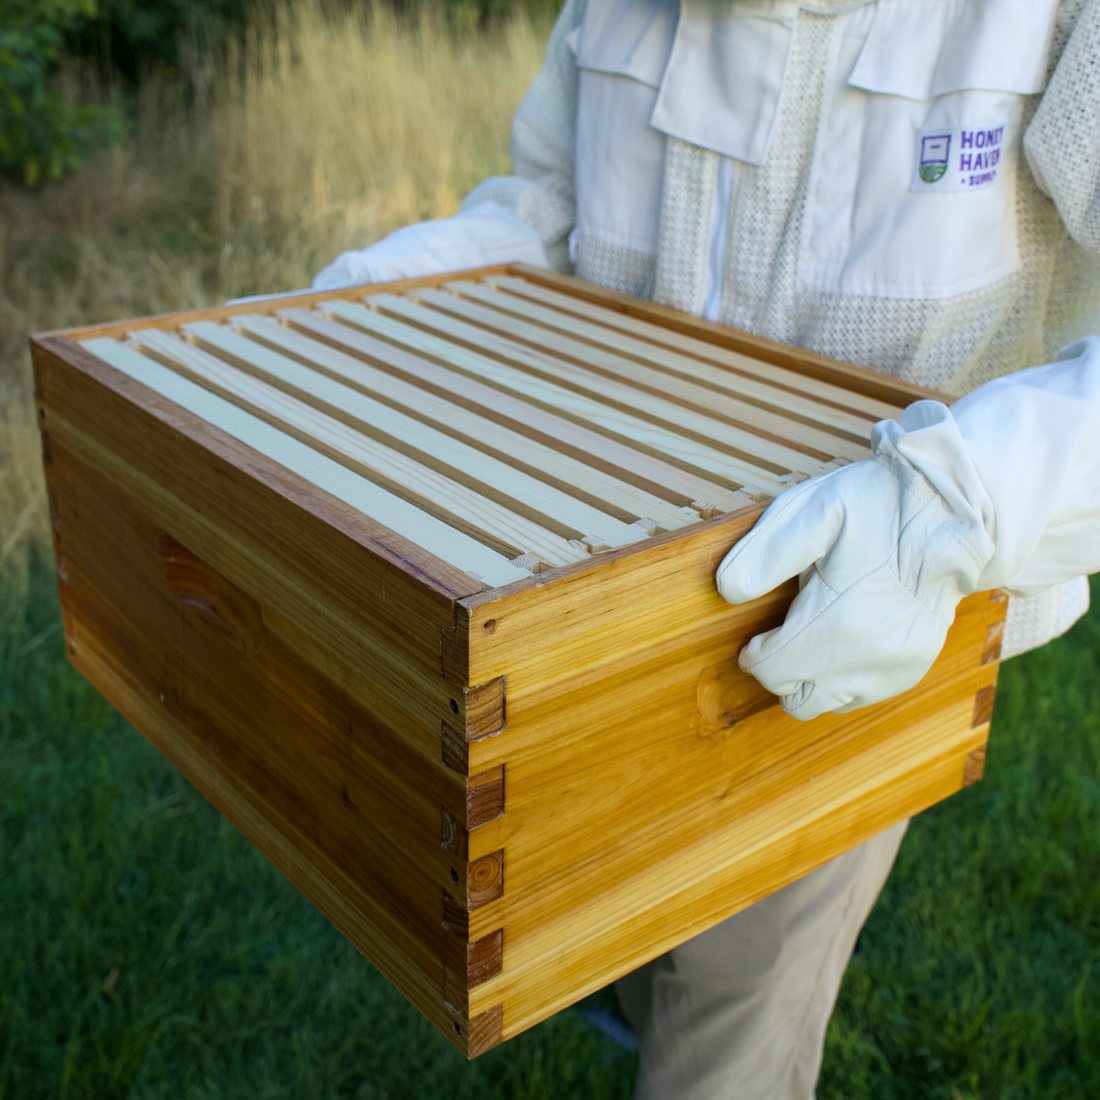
<point x="454" y="749"/>
<point x="991" y="647"/>
<point x="485" y="797"/>
<point x="485" y="879"/>
<point x="453" y="836"/>
<point x="974" y="765"/>
<point x="469" y="965"/>
<point x="481" y="1034"/>
<point x="983" y="705"/>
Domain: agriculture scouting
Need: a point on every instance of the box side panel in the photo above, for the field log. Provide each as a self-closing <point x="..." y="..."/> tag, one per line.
<point x="626" y="708"/>
<point x="192" y="661"/>
<point x="692" y="890"/>
<point x="558" y="625"/>
<point x="300" y="679"/>
<point x="363" y="600"/>
<point x="388" y="945"/>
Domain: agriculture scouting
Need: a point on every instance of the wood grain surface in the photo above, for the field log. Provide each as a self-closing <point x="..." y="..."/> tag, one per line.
<point x="644" y="419"/>
<point x="478" y="303"/>
<point x="861" y="380"/>
<point x="545" y="426"/>
<point x="556" y="469"/>
<point x="441" y="635"/>
<point x="751" y="379"/>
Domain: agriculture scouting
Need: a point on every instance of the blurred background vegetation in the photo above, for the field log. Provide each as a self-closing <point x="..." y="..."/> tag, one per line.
<point x="48" y="48"/>
<point x="165" y="154"/>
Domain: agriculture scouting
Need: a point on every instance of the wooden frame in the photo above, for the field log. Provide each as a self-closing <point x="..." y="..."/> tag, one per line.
<point x="506" y="797"/>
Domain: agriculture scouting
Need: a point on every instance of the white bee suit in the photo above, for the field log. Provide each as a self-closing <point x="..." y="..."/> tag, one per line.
<point x="910" y="185"/>
<point x="758" y="163"/>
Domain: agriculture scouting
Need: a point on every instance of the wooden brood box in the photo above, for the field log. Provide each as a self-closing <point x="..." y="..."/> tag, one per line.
<point x="388" y="639"/>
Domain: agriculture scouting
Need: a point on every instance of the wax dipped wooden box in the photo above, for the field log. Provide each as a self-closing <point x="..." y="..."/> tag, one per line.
<point x="420" y="594"/>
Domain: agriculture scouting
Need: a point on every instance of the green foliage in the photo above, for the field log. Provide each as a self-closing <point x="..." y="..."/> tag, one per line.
<point x="467" y="14"/>
<point x="127" y="35"/>
<point x="146" y="950"/>
<point x="41" y="134"/>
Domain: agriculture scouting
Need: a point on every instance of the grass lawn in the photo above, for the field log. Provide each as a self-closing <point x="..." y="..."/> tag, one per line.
<point x="146" y="950"/>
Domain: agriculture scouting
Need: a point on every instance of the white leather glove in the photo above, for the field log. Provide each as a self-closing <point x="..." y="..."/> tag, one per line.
<point x="1000" y="490"/>
<point x="477" y="236"/>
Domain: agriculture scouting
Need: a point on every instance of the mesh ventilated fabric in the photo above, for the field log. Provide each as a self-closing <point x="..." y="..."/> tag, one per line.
<point x="952" y="344"/>
<point x="618" y="268"/>
<point x="1033" y="621"/>
<point x="683" y="241"/>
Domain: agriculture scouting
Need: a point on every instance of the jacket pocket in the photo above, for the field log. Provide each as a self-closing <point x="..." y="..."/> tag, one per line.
<point x="621" y="49"/>
<point x="723" y="84"/>
<point x="912" y="191"/>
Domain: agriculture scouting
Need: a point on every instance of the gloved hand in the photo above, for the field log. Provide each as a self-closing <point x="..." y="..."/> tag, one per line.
<point x="477" y="236"/>
<point x="1000" y="490"/>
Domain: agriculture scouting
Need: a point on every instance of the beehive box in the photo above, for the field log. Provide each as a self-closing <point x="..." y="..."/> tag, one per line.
<point x="416" y="585"/>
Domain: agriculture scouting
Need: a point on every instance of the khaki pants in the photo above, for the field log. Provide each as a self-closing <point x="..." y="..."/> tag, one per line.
<point x="740" y="1012"/>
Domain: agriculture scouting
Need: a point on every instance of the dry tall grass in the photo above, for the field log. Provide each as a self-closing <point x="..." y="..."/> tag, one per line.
<point x="316" y="135"/>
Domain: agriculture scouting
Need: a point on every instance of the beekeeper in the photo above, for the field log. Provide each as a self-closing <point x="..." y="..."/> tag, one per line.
<point x="910" y="185"/>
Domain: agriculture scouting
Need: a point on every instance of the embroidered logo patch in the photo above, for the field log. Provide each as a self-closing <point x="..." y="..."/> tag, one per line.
<point x="962" y="159"/>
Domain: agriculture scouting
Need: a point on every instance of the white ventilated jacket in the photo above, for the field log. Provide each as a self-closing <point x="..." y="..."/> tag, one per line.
<point x="910" y="185"/>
